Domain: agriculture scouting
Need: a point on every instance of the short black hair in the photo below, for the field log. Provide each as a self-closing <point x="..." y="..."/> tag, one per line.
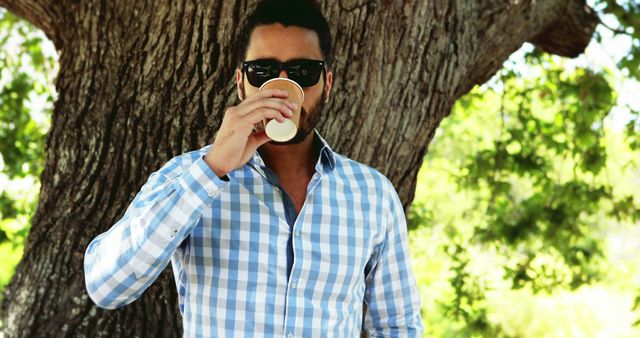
<point x="299" y="13"/>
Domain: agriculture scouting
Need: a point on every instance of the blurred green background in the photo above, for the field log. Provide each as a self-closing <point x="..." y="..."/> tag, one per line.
<point x="525" y="221"/>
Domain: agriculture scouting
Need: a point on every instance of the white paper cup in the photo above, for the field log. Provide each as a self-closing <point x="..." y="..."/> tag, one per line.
<point x="286" y="130"/>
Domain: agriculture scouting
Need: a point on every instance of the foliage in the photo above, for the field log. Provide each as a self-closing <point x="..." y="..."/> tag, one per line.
<point x="523" y="182"/>
<point x="627" y="15"/>
<point x="550" y="139"/>
<point x="624" y="23"/>
<point x="523" y="188"/>
<point x="26" y="97"/>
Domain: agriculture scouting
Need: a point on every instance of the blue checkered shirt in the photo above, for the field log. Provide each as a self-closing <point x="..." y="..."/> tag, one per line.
<point x="242" y="270"/>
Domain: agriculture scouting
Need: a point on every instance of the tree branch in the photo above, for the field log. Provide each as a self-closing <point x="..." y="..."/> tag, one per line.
<point x="558" y="27"/>
<point x="47" y="15"/>
<point x="570" y="33"/>
<point x="615" y="31"/>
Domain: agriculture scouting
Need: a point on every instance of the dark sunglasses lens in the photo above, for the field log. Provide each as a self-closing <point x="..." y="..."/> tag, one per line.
<point x="260" y="72"/>
<point x="305" y="73"/>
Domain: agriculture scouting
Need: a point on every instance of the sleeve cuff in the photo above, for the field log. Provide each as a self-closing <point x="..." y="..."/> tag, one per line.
<point x="202" y="181"/>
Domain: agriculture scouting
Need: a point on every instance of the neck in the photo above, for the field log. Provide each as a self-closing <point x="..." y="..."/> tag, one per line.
<point x="291" y="160"/>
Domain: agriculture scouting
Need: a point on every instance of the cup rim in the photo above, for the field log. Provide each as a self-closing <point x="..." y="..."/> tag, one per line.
<point x="284" y="79"/>
<point x="289" y="136"/>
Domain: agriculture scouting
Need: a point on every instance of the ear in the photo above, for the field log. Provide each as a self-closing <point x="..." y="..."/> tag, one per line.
<point x="239" y="83"/>
<point x="327" y="86"/>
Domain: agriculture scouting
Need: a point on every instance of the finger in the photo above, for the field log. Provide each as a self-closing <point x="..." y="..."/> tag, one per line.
<point x="267" y="93"/>
<point x="264" y="114"/>
<point x="281" y="105"/>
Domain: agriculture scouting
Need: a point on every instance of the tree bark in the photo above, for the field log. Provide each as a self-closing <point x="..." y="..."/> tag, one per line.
<point x="141" y="82"/>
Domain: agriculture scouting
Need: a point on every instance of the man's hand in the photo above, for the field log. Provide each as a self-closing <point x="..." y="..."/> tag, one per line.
<point x="236" y="142"/>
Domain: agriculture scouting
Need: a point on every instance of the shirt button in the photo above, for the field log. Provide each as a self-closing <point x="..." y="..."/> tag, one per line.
<point x="293" y="285"/>
<point x="290" y="335"/>
<point x="211" y="192"/>
<point x="297" y="233"/>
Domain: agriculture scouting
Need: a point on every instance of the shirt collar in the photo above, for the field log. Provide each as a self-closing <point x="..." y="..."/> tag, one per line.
<point x="327" y="156"/>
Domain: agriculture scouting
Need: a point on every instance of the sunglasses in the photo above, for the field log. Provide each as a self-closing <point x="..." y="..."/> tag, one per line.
<point x="305" y="72"/>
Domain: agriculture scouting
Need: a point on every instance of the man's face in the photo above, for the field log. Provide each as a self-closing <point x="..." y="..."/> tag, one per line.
<point x="283" y="44"/>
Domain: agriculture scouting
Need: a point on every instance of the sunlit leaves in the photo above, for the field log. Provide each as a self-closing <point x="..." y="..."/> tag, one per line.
<point x="544" y="170"/>
<point x="632" y="130"/>
<point x="536" y="182"/>
<point x="26" y="96"/>
<point x="627" y="14"/>
<point x="21" y="137"/>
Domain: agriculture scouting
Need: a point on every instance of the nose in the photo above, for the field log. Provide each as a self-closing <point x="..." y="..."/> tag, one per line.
<point x="283" y="73"/>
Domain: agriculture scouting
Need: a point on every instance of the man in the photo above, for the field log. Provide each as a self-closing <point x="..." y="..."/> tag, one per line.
<point x="266" y="238"/>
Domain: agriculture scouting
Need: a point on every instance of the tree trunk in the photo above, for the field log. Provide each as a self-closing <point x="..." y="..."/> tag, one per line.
<point x="141" y="82"/>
